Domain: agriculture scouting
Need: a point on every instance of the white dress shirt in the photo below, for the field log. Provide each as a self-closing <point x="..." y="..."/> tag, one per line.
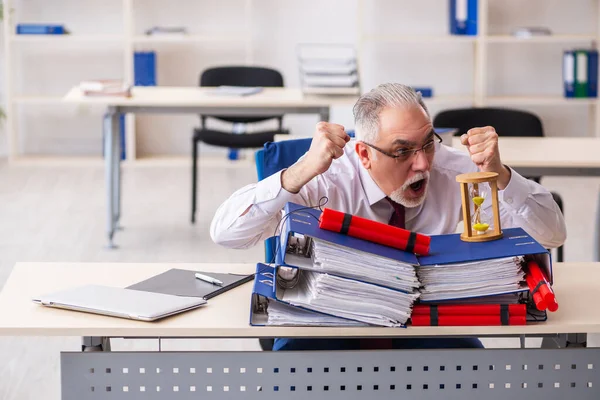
<point x="350" y="188"/>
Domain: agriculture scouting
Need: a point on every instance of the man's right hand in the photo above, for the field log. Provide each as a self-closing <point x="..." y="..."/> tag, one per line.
<point x="327" y="145"/>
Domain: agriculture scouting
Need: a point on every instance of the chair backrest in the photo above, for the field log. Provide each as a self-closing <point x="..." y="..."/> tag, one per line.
<point x="241" y="76"/>
<point x="274" y="157"/>
<point x="507" y="122"/>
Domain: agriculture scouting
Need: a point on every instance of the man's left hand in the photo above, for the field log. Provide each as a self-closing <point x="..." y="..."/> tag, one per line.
<point x="482" y="144"/>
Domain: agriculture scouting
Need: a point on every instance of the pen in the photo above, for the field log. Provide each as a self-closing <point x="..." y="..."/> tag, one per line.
<point x="209" y="279"/>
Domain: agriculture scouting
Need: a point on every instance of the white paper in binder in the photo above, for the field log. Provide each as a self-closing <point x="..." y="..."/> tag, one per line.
<point x="347" y="298"/>
<point x="472" y="279"/>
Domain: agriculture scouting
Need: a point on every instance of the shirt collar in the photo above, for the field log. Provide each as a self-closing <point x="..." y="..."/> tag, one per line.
<point x="372" y="191"/>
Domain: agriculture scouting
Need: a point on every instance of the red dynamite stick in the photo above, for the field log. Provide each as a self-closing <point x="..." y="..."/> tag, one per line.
<point x="467" y="320"/>
<point x="538" y="300"/>
<point x="471" y="309"/>
<point x="538" y="276"/>
<point x="553" y="307"/>
<point x="374" y="231"/>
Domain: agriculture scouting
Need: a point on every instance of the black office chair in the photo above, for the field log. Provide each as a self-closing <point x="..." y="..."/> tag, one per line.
<point x="234" y="76"/>
<point x="507" y="122"/>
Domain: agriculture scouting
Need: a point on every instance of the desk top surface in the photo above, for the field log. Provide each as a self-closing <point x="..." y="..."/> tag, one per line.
<point x="164" y="96"/>
<point x="227" y="315"/>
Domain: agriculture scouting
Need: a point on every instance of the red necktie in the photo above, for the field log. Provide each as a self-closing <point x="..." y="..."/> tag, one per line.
<point x="397" y="220"/>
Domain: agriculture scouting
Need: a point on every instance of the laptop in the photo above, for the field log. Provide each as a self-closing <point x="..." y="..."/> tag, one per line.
<point x="119" y="302"/>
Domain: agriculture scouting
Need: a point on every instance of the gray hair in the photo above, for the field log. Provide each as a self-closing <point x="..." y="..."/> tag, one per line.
<point x="369" y="106"/>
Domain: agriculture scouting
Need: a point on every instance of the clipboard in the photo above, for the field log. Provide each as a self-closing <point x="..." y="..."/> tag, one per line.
<point x="183" y="282"/>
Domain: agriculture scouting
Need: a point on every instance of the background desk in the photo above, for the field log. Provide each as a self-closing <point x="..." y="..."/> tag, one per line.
<point x="193" y="100"/>
<point x="465" y="374"/>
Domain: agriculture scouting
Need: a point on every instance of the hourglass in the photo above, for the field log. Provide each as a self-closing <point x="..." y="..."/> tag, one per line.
<point x="477" y="190"/>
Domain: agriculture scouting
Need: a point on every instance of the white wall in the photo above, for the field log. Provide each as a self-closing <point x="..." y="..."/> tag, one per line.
<point x="277" y="26"/>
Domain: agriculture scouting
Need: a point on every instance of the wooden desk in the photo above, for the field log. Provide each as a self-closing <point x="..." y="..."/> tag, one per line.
<point x="195" y="100"/>
<point x="380" y="374"/>
<point x="557" y="156"/>
<point x="228" y="315"/>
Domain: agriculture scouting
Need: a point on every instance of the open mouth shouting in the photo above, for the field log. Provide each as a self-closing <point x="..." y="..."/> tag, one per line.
<point x="412" y="193"/>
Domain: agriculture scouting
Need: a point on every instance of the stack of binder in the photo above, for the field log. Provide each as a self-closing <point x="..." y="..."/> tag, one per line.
<point x="580" y="73"/>
<point x="328" y="69"/>
<point x="325" y="278"/>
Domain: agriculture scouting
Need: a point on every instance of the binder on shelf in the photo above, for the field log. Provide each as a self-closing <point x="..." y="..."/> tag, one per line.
<point x="426" y="92"/>
<point x="40" y="29"/>
<point x="463" y="17"/>
<point x="144" y="66"/>
<point x="592" y="67"/>
<point x="581" y="73"/>
<point x="569" y="73"/>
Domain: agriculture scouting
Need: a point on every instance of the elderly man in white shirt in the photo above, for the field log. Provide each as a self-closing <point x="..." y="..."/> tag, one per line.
<point x="395" y="172"/>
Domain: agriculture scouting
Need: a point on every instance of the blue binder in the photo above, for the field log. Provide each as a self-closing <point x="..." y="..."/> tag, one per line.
<point x="40" y="29"/>
<point x="463" y="17"/>
<point x="265" y="290"/>
<point x="426" y="92"/>
<point x="569" y="73"/>
<point x="444" y="249"/>
<point x="144" y="66"/>
<point x="592" y="73"/>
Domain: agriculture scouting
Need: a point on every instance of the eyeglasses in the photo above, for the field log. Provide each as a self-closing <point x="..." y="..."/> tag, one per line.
<point x="405" y="154"/>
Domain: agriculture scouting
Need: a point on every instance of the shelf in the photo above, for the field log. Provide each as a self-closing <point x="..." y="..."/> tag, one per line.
<point x="448" y="99"/>
<point x="540" y="39"/>
<point x="539" y="100"/>
<point x="58" y="161"/>
<point x="421" y="38"/>
<point x="39" y="100"/>
<point x="189" y="38"/>
<point x="67" y="38"/>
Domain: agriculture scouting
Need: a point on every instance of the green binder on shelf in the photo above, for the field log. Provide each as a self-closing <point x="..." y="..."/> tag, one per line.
<point x="581" y="73"/>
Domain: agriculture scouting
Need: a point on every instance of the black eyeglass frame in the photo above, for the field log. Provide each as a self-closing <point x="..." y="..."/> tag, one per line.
<point x="406" y="153"/>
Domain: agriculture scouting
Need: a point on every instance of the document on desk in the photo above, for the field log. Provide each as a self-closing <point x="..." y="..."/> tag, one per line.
<point x="235" y="90"/>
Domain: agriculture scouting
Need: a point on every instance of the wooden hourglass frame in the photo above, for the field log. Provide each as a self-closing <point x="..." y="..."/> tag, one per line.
<point x="475" y="178"/>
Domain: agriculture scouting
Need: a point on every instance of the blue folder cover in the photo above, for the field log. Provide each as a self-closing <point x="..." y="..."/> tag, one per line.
<point x="463" y="17"/>
<point x="593" y="73"/>
<point x="569" y="73"/>
<point x="305" y="221"/>
<point x="265" y="288"/>
<point x="40" y="29"/>
<point x="444" y="249"/>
